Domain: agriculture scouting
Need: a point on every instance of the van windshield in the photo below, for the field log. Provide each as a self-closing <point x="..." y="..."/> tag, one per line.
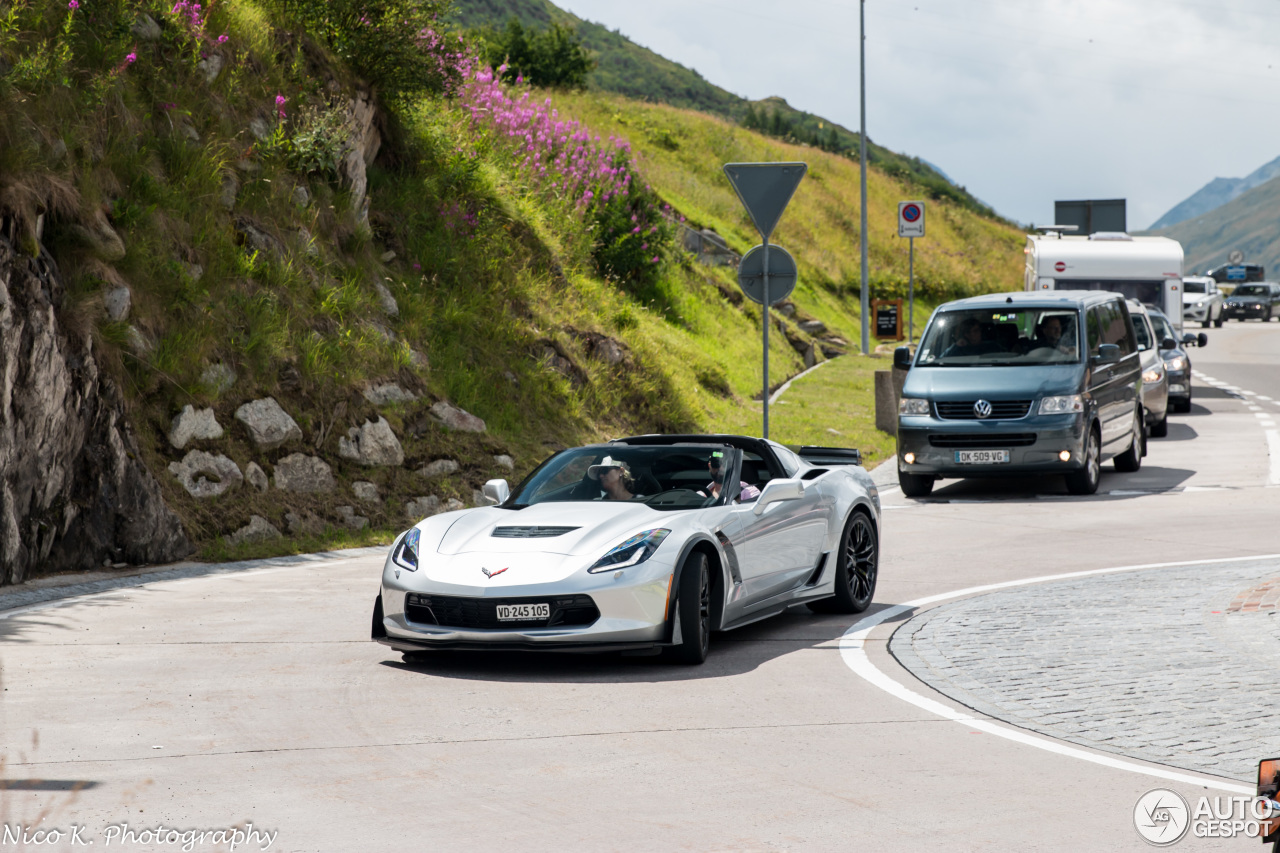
<point x="1015" y="337"/>
<point x="1193" y="287"/>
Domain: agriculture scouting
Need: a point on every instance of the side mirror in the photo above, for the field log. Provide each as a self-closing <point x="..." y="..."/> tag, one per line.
<point x="1202" y="339"/>
<point x="902" y="358"/>
<point x="778" y="490"/>
<point x="1107" y="354"/>
<point x="497" y="491"/>
<point x="1188" y="340"/>
<point x="1168" y="343"/>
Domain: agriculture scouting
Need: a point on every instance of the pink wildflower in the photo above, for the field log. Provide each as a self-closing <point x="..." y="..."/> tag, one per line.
<point x="280" y="102"/>
<point x="130" y="58"/>
<point x="73" y="5"/>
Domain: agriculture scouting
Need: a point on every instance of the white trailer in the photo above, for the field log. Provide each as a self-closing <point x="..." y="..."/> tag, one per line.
<point x="1148" y="269"/>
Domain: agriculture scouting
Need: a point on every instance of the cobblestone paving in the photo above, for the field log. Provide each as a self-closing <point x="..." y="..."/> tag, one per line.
<point x="1150" y="664"/>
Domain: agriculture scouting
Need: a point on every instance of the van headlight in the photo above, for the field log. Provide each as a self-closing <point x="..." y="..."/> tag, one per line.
<point x="1178" y="363"/>
<point x="1061" y="405"/>
<point x="913" y="406"/>
<point x="1152" y="376"/>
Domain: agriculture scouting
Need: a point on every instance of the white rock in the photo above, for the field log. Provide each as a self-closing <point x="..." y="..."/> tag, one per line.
<point x="388" y="393"/>
<point x="301" y="197"/>
<point x="145" y="28"/>
<point x="211" y="67"/>
<point x="196" y="468"/>
<point x="455" y="418"/>
<point x="453" y="504"/>
<point x="812" y="327"/>
<point x="388" y="256"/>
<point x="420" y="508"/>
<point x="194" y="271"/>
<point x="269" y="425"/>
<point x="117" y="302"/>
<point x="260" y="128"/>
<point x="350" y="520"/>
<point x="372" y="444"/>
<point x="300" y="473"/>
<point x="438" y="468"/>
<point x="257" y="530"/>
<point x="256" y="476"/>
<point x="194" y="424"/>
<point x="505" y="461"/>
<point x="138" y="342"/>
<point x="218" y="378"/>
<point x="386" y="301"/>
<point x="366" y="492"/>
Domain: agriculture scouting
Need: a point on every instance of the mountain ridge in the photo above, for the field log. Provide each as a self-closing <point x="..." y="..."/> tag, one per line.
<point x="1216" y="193"/>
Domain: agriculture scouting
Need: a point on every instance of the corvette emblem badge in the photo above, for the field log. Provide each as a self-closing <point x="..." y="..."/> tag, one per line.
<point x="494" y="574"/>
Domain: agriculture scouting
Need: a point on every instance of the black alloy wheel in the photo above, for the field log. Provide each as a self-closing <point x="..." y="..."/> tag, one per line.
<point x="857" y="567"/>
<point x="1085" y="481"/>
<point x="693" y="611"/>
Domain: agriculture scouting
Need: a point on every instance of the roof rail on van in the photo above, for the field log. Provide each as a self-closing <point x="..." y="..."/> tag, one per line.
<point x="1057" y="229"/>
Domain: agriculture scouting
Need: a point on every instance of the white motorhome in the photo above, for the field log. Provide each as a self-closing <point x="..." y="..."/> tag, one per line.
<point x="1148" y="269"/>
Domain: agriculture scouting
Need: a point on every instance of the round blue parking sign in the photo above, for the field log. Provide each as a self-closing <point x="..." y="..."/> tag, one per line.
<point x="911" y="212"/>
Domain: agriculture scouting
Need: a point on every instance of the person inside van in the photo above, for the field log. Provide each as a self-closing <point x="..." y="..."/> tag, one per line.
<point x="1051" y="335"/>
<point x="969" y="340"/>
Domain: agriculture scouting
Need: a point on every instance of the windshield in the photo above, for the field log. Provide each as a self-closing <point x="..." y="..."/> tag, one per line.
<point x="1251" y="290"/>
<point x="663" y="478"/>
<point x="1193" y="287"/>
<point x="985" y="336"/>
<point x="1162" y="327"/>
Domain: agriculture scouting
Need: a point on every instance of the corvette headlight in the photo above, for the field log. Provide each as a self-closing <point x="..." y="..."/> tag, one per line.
<point x="1153" y="375"/>
<point x="1178" y="363"/>
<point x="405" y="555"/>
<point x="913" y="406"/>
<point x="1061" y="405"/>
<point x="635" y="550"/>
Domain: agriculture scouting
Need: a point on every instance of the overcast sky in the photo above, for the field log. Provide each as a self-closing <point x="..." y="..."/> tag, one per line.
<point x="1021" y="101"/>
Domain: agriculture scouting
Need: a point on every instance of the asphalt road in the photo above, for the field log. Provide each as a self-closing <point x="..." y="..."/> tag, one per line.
<point x="208" y="701"/>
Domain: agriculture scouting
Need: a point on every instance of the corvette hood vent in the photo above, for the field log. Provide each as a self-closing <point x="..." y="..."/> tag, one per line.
<point x="530" y="532"/>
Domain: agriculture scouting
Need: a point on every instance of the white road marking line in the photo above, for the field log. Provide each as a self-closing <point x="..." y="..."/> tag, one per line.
<point x="853" y="652"/>
<point x="1267" y="423"/>
<point x="1263" y="397"/>
<point x="1273" y="448"/>
<point x="1261" y="414"/>
<point x="1250" y="393"/>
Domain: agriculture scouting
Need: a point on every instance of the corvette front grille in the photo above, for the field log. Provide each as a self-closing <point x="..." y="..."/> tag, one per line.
<point x="456" y="611"/>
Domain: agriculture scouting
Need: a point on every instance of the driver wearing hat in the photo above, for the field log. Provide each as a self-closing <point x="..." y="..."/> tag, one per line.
<point x="615" y="479"/>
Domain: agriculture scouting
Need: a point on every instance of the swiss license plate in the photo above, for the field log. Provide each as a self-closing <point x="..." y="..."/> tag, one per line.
<point x="981" y="457"/>
<point x="523" y="612"/>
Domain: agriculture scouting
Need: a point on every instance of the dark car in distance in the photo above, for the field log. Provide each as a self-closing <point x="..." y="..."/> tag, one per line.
<point x="1177" y="361"/>
<point x="1253" y="301"/>
<point x="1022" y="384"/>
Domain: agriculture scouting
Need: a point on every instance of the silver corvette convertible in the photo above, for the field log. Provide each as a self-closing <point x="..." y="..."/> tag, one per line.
<point x="644" y="543"/>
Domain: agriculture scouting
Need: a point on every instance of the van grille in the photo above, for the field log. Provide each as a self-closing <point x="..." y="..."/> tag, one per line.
<point x="962" y="410"/>
<point x="979" y="440"/>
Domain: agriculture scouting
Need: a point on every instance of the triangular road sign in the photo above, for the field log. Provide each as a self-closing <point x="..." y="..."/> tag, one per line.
<point x="765" y="189"/>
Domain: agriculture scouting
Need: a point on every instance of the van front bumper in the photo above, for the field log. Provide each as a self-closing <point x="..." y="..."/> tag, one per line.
<point x="1034" y="444"/>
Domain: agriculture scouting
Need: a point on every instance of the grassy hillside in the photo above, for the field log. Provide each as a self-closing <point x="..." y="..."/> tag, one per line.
<point x="218" y="194"/>
<point x="625" y="68"/>
<point x="1247" y="222"/>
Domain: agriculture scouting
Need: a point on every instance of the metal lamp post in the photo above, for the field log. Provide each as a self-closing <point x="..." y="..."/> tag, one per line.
<point x="862" y="168"/>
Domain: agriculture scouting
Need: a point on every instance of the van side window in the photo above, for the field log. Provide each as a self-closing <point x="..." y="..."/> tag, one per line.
<point x="1115" y="327"/>
<point x="1093" y="326"/>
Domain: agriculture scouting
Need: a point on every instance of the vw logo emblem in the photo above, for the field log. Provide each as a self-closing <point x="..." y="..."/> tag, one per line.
<point x="982" y="409"/>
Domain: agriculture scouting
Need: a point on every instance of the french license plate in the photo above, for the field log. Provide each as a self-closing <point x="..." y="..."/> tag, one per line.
<point x="981" y="457"/>
<point x="523" y="612"/>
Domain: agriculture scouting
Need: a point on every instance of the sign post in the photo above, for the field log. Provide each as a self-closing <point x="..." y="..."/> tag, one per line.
<point x="765" y="190"/>
<point x="911" y="226"/>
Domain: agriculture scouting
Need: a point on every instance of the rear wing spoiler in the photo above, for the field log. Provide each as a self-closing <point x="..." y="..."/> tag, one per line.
<point x="820" y="456"/>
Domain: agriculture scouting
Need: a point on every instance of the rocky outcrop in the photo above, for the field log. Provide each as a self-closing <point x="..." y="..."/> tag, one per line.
<point x="438" y="468"/>
<point x="269" y="425"/>
<point x="306" y="474"/>
<point x="388" y="393"/>
<point x="206" y="475"/>
<point x="257" y="530"/>
<point x="73" y="491"/>
<point x="194" y="424"/>
<point x="362" y="142"/>
<point x="452" y="417"/>
<point x="373" y="443"/>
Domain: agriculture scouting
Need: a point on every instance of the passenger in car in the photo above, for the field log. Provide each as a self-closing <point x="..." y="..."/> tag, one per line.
<point x="1050" y="334"/>
<point x="969" y="340"/>
<point x="615" y="479"/>
<point x="746" y="491"/>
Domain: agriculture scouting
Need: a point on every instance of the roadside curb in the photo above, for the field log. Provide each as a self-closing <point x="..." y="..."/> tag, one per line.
<point x="43" y="590"/>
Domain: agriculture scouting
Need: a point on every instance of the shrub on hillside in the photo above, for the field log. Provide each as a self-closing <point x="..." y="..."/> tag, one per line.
<point x="552" y="58"/>
<point x="397" y="45"/>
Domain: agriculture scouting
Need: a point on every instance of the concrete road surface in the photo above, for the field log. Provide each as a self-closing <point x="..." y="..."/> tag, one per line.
<point x="206" y="700"/>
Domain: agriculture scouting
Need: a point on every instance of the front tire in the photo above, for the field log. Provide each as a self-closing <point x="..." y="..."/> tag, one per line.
<point x="1131" y="459"/>
<point x="1085" y="481"/>
<point x="1160" y="428"/>
<point x="693" y="612"/>
<point x="915" y="485"/>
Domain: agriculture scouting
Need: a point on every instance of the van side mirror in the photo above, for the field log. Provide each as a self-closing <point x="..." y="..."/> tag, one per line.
<point x="496" y="492"/>
<point x="1189" y="340"/>
<point x="902" y="358"/>
<point x="778" y="490"/>
<point x="1168" y="343"/>
<point x="1107" y="354"/>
